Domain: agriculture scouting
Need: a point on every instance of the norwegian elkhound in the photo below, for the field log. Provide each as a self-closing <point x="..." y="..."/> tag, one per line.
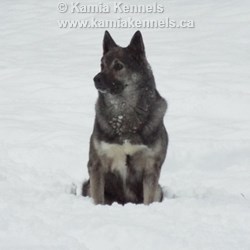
<point x="129" y="142"/>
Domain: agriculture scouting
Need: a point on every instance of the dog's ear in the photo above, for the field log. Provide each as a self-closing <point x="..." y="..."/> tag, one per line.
<point x="137" y="44"/>
<point x="108" y="42"/>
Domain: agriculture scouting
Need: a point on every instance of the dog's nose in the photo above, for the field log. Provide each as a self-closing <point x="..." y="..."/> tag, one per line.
<point x="97" y="79"/>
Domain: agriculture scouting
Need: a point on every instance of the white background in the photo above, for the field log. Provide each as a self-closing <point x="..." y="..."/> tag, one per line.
<point x="47" y="99"/>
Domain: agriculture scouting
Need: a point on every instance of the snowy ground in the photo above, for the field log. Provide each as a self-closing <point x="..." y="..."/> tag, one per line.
<point x="47" y="101"/>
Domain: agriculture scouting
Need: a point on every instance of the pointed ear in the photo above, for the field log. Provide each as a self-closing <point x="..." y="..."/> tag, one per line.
<point x="108" y="42"/>
<point x="137" y="43"/>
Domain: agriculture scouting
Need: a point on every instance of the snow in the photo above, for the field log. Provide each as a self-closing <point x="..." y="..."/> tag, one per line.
<point x="47" y="102"/>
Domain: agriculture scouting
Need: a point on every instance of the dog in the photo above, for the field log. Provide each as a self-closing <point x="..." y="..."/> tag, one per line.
<point x="129" y="141"/>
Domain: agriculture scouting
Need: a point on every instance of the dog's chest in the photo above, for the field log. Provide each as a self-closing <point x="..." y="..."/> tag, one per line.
<point x="115" y="155"/>
<point x="124" y="117"/>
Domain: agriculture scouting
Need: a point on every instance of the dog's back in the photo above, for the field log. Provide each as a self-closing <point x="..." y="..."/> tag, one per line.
<point x="129" y="142"/>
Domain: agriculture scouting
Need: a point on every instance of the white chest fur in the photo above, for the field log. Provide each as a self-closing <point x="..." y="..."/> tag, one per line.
<point x="117" y="154"/>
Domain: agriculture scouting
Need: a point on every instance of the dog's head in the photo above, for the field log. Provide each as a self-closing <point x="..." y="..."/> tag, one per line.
<point x="121" y="68"/>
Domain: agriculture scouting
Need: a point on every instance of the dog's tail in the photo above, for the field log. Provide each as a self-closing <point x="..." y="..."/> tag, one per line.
<point x="85" y="188"/>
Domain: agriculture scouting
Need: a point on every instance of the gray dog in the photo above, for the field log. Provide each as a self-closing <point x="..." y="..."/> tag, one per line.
<point x="129" y="142"/>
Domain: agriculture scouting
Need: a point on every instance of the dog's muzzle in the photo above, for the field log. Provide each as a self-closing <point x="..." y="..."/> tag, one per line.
<point x="100" y="82"/>
<point x="105" y="85"/>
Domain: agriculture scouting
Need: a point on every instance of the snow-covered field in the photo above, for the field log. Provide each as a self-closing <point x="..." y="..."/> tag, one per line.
<point x="47" y="101"/>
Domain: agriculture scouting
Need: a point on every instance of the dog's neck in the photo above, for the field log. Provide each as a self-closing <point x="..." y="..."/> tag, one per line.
<point x="127" y="112"/>
<point x="133" y="96"/>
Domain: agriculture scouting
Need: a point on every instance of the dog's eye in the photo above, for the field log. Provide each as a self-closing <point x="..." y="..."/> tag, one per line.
<point x="118" y="66"/>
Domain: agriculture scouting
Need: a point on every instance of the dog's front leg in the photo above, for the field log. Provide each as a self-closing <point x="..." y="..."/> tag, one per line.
<point x="151" y="188"/>
<point x="96" y="183"/>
